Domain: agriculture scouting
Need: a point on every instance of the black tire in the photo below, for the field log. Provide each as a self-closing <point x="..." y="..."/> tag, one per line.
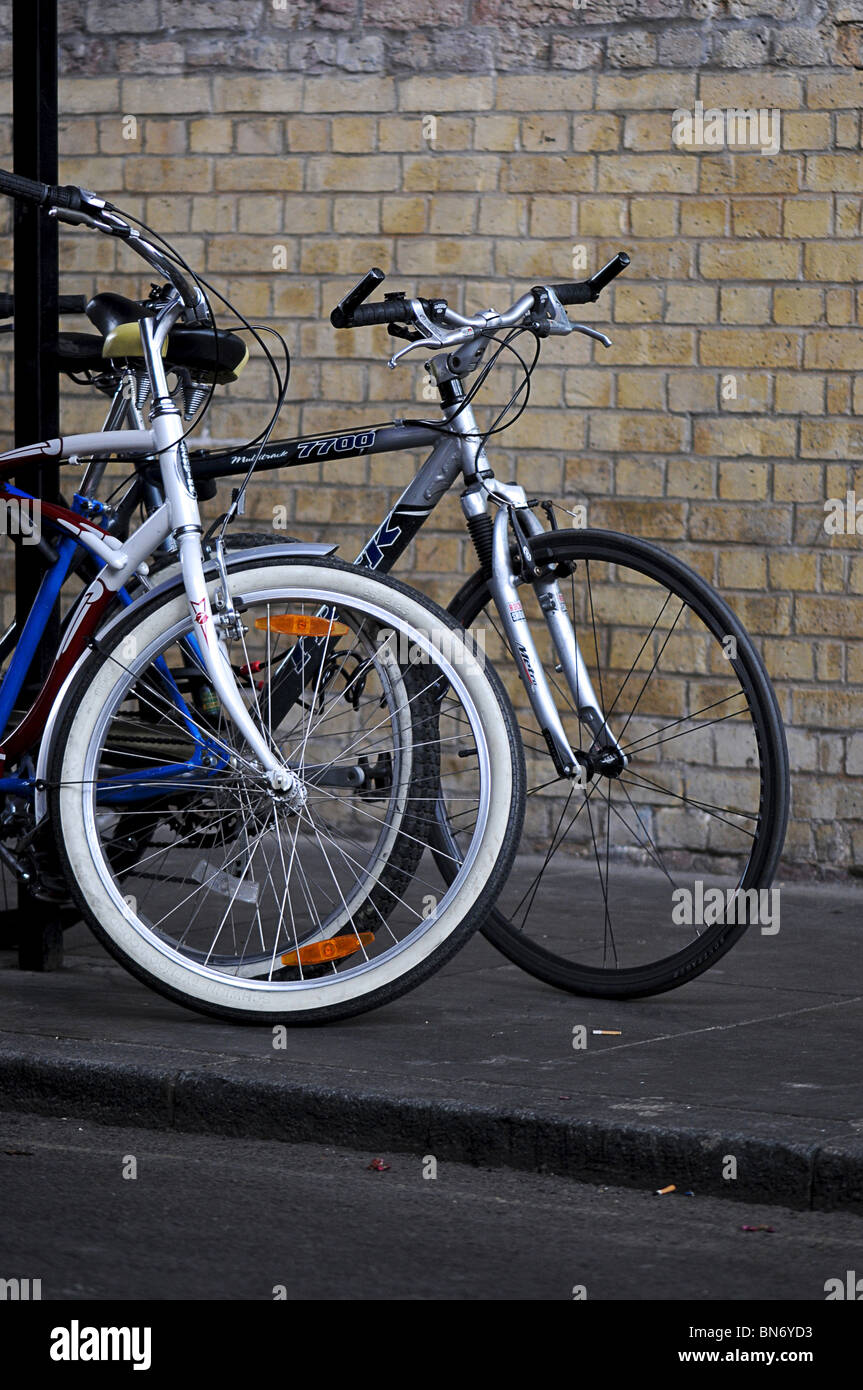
<point x="472" y="605"/>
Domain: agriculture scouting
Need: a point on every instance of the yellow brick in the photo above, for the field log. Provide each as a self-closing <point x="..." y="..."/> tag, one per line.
<point x="534" y="93"/>
<point x="211" y="135"/>
<point x="640" y="391"/>
<point x="831" y="439"/>
<point x="209" y="214"/>
<point x="585" y="387"/>
<point x="735" y="436"/>
<point x="791" y="570"/>
<point x="692" y="391"/>
<point x="748" y="89"/>
<point x="652" y="347"/>
<point x="798" y="304"/>
<point x="256" y="94"/>
<point x="647" y="173"/>
<point x="754" y="347"/>
<point x="648" y="433"/>
<point x="364" y="94"/>
<point x="189" y="175"/>
<point x="750" y="173"/>
<point x="646" y="131"/>
<point x="839" y="306"/>
<point x="796" y="482"/>
<point x="704" y="217"/>
<point x="836" y="348"/>
<point x="170" y="95"/>
<point x="807" y="217"/>
<point x="838" y="395"/>
<point x="744" y="482"/>
<point x="343" y="256"/>
<point x="89" y="94"/>
<point x="453" y="133"/>
<point x="400" y="214"/>
<point x="767" y="260"/>
<point x="601" y="216"/>
<point x="835" y="173"/>
<point x="690" y="478"/>
<point x="545" y="132"/>
<point x="264" y="135"/>
<point x="356" y="215"/>
<point x="496" y="133"/>
<point x="248" y="173"/>
<point x="753" y="393"/>
<point x="502" y="216"/>
<point x="549" y="173"/>
<point x="847" y="221"/>
<point x="476" y="173"/>
<point x="595" y="131"/>
<point x="307" y="133"/>
<point x="353" y="134"/>
<point x="260" y="213"/>
<point x="742" y="569"/>
<point x="637" y="303"/>
<point x="832" y="90"/>
<point x="802" y="130"/>
<point x="758" y="217"/>
<point x="553" y="216"/>
<point x="293" y="300"/>
<point x="653" y="216"/>
<point x="646" y="92"/>
<point x="749" y="305"/>
<point x="637" y="477"/>
<point x="467" y="256"/>
<point x="827" y="261"/>
<point x="354" y="173"/>
<point x="690" y="304"/>
<point x="438" y="94"/>
<point x="789" y="659"/>
<point x="800" y="393"/>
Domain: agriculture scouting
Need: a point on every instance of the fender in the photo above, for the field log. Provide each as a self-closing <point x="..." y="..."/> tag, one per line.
<point x="292" y="550"/>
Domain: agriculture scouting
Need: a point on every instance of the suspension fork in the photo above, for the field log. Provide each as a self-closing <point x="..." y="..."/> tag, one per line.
<point x="526" y="656"/>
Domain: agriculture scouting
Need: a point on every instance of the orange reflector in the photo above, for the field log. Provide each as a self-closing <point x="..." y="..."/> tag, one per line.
<point x="298" y="625"/>
<point x="333" y="949"/>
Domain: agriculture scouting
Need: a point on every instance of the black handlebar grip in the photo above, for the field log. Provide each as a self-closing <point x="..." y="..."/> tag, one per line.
<point x="608" y="272"/>
<point x="66" y="304"/>
<point x="342" y="315"/>
<point x="67" y="195"/>
<point x="574" y="292"/>
<point x="395" y="310"/>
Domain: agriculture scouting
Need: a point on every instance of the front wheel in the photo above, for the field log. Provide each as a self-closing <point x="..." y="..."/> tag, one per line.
<point x="643" y="878"/>
<point x="233" y="899"/>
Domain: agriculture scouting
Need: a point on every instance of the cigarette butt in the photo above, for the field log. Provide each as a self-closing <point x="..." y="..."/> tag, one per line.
<point x="607" y="1032"/>
<point x="661" y="1191"/>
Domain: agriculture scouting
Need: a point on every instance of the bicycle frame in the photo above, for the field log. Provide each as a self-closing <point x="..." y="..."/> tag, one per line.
<point x="453" y="454"/>
<point x="121" y="561"/>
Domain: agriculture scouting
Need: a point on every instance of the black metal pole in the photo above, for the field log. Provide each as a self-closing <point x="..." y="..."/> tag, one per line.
<point x="34" y="88"/>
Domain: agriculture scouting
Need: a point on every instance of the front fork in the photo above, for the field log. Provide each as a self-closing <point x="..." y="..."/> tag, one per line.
<point x="605" y="752"/>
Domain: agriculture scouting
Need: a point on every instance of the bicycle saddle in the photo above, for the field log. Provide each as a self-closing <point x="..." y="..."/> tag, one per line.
<point x="206" y="354"/>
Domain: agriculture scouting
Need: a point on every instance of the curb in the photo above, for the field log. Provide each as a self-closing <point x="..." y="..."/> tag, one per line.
<point x="792" y="1172"/>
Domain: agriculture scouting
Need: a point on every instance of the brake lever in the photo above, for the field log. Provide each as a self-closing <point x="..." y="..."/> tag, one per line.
<point x="591" y="333"/>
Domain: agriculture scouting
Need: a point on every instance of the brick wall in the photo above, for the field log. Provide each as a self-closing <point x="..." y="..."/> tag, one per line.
<point x="726" y="412"/>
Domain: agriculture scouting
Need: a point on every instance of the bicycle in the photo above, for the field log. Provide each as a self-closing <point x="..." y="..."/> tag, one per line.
<point x="169" y="780"/>
<point x="634" y="618"/>
<point x="709" y="728"/>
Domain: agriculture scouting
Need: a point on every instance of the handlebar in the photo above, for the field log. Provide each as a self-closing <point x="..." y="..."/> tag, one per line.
<point x="66" y="304"/>
<point x="46" y="194"/>
<point x="350" y="312"/>
<point x="80" y="207"/>
<point x="588" y="291"/>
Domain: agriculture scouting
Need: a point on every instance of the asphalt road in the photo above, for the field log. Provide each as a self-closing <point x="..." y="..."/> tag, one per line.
<point x="220" y="1218"/>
